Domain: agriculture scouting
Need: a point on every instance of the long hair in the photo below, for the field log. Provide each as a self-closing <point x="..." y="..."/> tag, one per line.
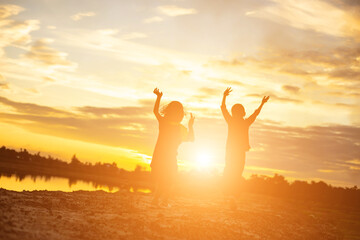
<point x="174" y="111"/>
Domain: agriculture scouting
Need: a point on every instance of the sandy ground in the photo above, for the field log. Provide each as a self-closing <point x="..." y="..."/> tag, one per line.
<point x="125" y="215"/>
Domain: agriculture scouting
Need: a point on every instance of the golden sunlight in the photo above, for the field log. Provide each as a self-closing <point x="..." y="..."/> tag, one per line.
<point x="157" y="119"/>
<point x="203" y="160"/>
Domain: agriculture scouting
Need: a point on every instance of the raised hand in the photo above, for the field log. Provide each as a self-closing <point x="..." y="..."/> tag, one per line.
<point x="265" y="99"/>
<point x="227" y="91"/>
<point x="191" y="120"/>
<point x="157" y="92"/>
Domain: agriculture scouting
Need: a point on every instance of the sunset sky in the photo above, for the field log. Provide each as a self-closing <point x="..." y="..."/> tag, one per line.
<point x="77" y="77"/>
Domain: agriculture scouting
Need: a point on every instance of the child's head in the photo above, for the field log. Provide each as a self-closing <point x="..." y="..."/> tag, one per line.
<point x="174" y="111"/>
<point x="238" y="111"/>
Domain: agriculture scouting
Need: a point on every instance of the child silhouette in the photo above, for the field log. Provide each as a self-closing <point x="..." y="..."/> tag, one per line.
<point x="171" y="134"/>
<point x="237" y="143"/>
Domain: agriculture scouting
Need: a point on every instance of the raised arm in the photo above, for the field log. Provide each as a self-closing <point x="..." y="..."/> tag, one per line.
<point x="157" y="103"/>
<point x="253" y="116"/>
<point x="224" y="110"/>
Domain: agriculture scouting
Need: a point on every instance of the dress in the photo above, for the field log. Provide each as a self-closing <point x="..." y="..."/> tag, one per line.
<point x="164" y="163"/>
<point x="237" y="145"/>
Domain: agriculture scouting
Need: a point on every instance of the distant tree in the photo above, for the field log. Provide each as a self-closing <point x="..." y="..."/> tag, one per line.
<point x="75" y="160"/>
<point x="138" y="169"/>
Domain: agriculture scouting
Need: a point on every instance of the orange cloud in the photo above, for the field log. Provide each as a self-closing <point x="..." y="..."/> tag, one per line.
<point x="4" y="85"/>
<point x="294" y="150"/>
<point x="41" y="52"/>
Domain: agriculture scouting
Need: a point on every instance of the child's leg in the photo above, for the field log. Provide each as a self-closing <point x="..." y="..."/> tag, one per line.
<point x="168" y="184"/>
<point x="158" y="187"/>
<point x="233" y="178"/>
<point x="238" y="178"/>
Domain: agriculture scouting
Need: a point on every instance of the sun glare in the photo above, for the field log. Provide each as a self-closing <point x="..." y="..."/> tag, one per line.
<point x="203" y="160"/>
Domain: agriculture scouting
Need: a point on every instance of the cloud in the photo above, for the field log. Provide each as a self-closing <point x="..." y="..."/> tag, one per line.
<point x="17" y="34"/>
<point x="228" y="82"/>
<point x="33" y="90"/>
<point x="210" y="91"/>
<point x="326" y="170"/>
<point x="340" y="63"/>
<point x="307" y="149"/>
<point x="335" y="104"/>
<point x="115" y="131"/>
<point x="128" y="127"/>
<point x="108" y="44"/>
<point x="129" y="111"/>
<point x="49" y="79"/>
<point x="4" y="85"/>
<point x="205" y="94"/>
<point x="33" y="109"/>
<point x="240" y="61"/>
<point x="304" y="50"/>
<point x="352" y="16"/>
<point x="41" y="52"/>
<point x="345" y="94"/>
<point x="354" y="161"/>
<point x="318" y="67"/>
<point x="9" y="10"/>
<point x="315" y="15"/>
<point x="81" y="15"/>
<point x="291" y="89"/>
<point x="173" y="11"/>
<point x="14" y="33"/>
<point x="275" y="97"/>
<point x="153" y="19"/>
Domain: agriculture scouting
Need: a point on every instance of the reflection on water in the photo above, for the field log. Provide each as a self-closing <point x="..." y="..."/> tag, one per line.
<point x="30" y="183"/>
<point x="142" y="190"/>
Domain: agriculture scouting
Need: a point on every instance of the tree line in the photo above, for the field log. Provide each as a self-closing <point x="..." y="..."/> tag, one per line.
<point x="23" y="163"/>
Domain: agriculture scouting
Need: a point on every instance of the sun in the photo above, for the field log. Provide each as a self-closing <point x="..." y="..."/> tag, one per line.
<point x="203" y="160"/>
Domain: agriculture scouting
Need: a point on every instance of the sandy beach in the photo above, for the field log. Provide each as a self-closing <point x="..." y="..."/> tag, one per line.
<point x="126" y="215"/>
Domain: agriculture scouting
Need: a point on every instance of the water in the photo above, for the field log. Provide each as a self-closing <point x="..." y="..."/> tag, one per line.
<point x="31" y="183"/>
